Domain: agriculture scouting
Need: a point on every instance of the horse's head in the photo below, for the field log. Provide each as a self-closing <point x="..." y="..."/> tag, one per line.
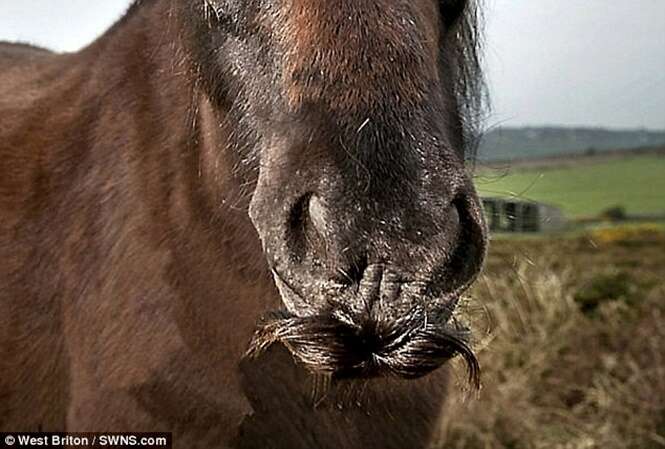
<point x="356" y="117"/>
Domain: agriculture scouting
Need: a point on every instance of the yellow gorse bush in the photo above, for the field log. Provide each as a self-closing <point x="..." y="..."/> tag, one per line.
<point x="622" y="233"/>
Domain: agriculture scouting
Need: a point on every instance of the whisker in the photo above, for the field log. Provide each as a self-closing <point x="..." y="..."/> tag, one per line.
<point x="405" y="349"/>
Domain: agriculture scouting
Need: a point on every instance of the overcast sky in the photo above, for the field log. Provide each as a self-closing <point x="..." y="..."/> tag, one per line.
<point x="569" y="62"/>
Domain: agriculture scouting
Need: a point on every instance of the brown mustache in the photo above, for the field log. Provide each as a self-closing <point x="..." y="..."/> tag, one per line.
<point x="409" y="348"/>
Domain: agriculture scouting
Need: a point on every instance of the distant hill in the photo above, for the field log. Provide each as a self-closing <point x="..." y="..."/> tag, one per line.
<point x="502" y="144"/>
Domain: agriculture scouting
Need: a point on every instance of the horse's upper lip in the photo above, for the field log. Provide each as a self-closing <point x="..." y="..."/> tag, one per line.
<point x="426" y="311"/>
<point x="441" y="306"/>
<point x="408" y="337"/>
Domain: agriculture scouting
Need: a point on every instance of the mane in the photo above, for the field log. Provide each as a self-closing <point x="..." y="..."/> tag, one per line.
<point x="13" y="52"/>
<point x="27" y="47"/>
<point x="4" y="45"/>
<point x="463" y="53"/>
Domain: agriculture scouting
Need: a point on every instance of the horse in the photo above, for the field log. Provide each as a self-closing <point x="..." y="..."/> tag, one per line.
<point x="246" y="222"/>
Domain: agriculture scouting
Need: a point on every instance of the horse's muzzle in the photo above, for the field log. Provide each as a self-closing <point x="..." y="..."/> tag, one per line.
<point x="377" y="329"/>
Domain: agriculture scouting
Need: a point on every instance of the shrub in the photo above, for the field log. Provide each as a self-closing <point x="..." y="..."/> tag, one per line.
<point x="616" y="213"/>
<point x="605" y="287"/>
<point x="554" y="377"/>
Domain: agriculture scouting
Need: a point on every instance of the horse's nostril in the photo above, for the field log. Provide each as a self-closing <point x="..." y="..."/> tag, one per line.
<point x="298" y="216"/>
<point x="307" y="229"/>
<point x="298" y="227"/>
<point x="468" y="254"/>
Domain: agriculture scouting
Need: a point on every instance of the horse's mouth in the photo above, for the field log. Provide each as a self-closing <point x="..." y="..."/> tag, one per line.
<point x="332" y="343"/>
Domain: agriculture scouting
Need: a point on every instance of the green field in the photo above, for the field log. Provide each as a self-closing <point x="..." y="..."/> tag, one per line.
<point x="585" y="189"/>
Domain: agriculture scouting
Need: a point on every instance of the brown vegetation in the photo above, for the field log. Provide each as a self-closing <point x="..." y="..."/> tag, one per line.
<point x="575" y="357"/>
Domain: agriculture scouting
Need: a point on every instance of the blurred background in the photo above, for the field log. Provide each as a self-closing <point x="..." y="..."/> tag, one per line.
<point x="570" y="311"/>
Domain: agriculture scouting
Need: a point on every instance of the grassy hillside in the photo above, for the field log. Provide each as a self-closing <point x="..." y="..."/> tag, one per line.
<point x="517" y="143"/>
<point x="585" y="189"/>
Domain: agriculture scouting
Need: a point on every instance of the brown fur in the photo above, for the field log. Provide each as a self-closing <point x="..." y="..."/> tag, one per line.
<point x="131" y="276"/>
